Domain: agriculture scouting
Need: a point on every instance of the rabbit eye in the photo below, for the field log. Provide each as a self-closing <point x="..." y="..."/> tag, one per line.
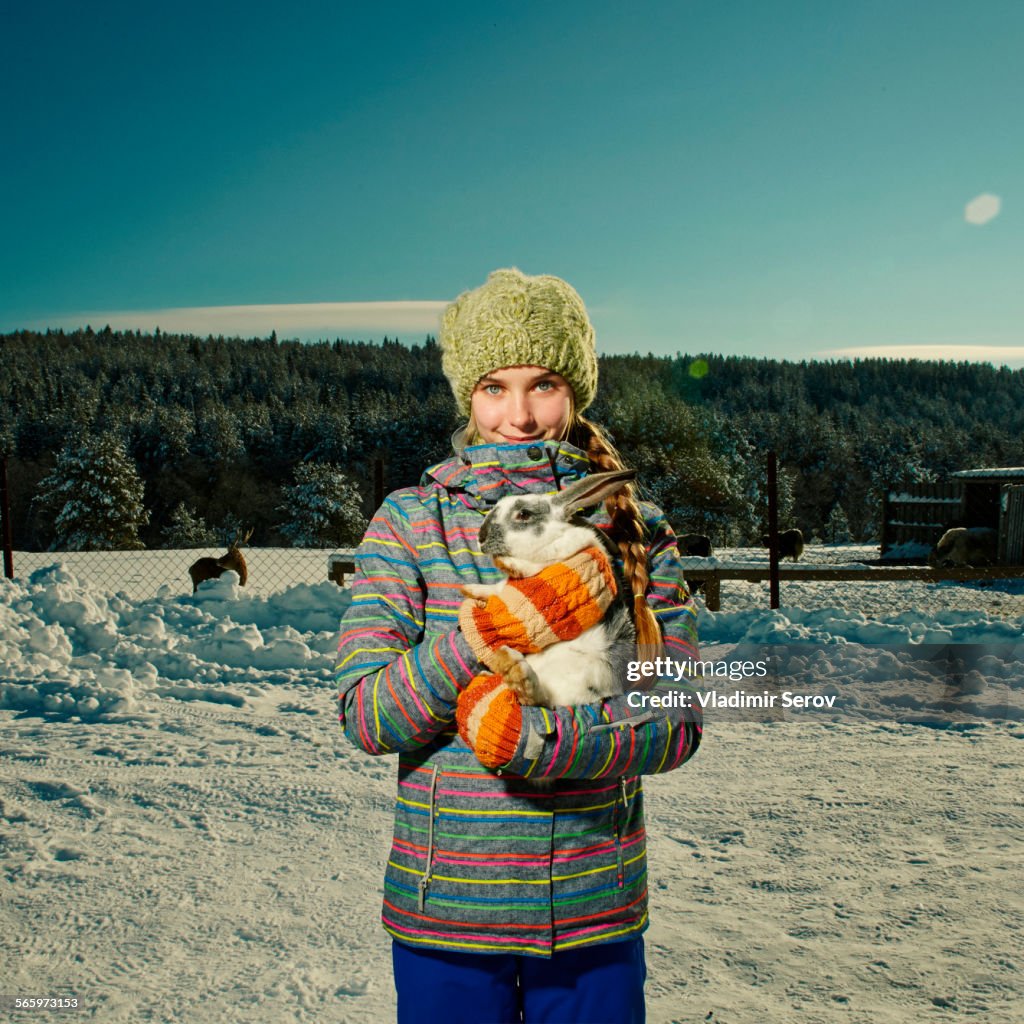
<point x="523" y="515"/>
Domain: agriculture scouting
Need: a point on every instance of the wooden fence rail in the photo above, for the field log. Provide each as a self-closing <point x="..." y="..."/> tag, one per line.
<point x="340" y="566"/>
<point x="712" y="578"/>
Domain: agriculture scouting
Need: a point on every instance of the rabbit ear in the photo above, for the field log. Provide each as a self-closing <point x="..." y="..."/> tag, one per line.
<point x="591" y="490"/>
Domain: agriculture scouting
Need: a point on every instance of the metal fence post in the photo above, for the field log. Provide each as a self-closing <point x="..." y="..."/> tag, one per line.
<point x="773" y="531"/>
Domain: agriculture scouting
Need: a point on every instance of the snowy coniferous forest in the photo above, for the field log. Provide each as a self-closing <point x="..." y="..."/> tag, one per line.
<point x="120" y="440"/>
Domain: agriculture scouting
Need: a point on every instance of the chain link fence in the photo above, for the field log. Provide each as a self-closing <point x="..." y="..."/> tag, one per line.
<point x="145" y="574"/>
<point x="141" y="575"/>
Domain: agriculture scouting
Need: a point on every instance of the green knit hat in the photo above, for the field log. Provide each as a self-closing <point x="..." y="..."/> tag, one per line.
<point x="514" y="319"/>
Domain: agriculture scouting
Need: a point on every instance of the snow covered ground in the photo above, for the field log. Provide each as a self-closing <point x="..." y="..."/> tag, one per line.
<point x="184" y="835"/>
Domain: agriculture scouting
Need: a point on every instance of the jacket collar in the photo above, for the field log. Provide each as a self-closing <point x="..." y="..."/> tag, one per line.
<point x="484" y="473"/>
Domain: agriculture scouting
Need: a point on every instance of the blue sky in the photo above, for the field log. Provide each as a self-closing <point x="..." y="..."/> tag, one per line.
<point x="785" y="179"/>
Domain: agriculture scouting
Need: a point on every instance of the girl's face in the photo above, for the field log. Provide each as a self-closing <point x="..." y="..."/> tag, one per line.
<point x="521" y="403"/>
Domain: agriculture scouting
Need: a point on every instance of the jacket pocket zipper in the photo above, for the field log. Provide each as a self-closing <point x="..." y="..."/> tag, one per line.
<point x="429" y="866"/>
<point x="621" y="867"/>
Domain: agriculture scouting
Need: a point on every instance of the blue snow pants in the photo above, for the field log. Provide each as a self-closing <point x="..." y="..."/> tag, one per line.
<point x="601" y="984"/>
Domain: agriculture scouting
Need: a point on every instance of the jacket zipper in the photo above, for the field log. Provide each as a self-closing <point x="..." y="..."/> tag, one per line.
<point x="429" y="867"/>
<point x="618" y="831"/>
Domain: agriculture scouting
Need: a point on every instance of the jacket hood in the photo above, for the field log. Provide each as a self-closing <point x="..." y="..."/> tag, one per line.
<point x="485" y="473"/>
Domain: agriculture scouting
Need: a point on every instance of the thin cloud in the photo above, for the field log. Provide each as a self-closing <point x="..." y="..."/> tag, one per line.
<point x="303" y="320"/>
<point x="998" y="355"/>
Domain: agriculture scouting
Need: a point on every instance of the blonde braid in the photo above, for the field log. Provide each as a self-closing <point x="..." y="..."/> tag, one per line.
<point x="627" y="530"/>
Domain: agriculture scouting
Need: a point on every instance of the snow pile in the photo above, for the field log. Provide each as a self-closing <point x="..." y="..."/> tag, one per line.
<point x="839" y="625"/>
<point x="70" y="649"/>
<point x="942" y="669"/>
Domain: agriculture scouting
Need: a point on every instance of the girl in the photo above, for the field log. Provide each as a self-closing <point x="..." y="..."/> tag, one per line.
<point x="508" y="901"/>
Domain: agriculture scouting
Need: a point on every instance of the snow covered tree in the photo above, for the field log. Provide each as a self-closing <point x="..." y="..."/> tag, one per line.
<point x="837" y="528"/>
<point x="96" y="494"/>
<point x="324" y="507"/>
<point x="662" y="438"/>
<point x="186" y="529"/>
<point x="218" y="435"/>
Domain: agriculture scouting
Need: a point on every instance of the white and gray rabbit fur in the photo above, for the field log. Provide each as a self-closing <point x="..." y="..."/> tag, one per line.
<point x="525" y="533"/>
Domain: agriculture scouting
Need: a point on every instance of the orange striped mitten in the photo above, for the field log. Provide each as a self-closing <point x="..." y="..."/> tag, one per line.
<point x="533" y="612"/>
<point x="490" y="719"/>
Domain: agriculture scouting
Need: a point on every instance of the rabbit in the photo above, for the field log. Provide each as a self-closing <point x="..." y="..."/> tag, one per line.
<point x="523" y="534"/>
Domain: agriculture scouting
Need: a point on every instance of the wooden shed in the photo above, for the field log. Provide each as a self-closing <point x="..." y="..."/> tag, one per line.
<point x="918" y="514"/>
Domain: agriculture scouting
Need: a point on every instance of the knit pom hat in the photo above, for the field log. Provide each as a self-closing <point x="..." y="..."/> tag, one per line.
<point x="514" y="319"/>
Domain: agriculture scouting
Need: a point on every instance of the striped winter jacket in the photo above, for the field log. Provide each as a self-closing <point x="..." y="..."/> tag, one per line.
<point x="486" y="861"/>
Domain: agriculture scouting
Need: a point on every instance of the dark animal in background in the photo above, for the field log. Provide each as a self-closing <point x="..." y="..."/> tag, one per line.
<point x="695" y="544"/>
<point x="965" y="546"/>
<point x="211" y="568"/>
<point x="791" y="543"/>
